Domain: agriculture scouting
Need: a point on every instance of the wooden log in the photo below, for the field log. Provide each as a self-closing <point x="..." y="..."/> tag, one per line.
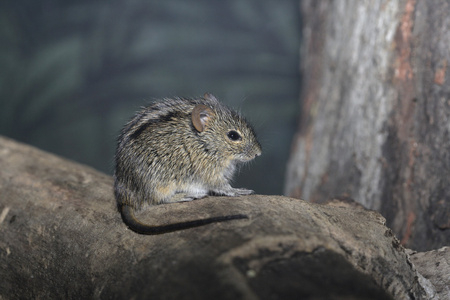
<point x="435" y="266"/>
<point x="62" y="238"/>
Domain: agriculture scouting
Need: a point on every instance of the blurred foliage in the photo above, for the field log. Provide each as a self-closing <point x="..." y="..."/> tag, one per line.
<point x="73" y="72"/>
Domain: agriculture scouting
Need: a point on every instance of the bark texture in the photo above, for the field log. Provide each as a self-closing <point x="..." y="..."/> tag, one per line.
<point x="375" y="124"/>
<point x="62" y="238"/>
<point x="435" y="266"/>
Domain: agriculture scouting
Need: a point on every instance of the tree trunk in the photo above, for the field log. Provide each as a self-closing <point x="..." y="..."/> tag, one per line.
<point x="61" y="237"/>
<point x="375" y="124"/>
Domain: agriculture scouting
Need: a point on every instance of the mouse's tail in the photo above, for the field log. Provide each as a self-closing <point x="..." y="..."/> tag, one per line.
<point x="128" y="217"/>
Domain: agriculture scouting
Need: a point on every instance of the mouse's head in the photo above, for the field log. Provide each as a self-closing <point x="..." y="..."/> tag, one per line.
<point x="224" y="132"/>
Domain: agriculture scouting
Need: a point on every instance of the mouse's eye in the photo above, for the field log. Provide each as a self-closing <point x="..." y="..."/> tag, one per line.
<point x="234" y="136"/>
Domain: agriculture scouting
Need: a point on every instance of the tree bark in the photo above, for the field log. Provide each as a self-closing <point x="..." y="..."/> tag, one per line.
<point x="61" y="237"/>
<point x="375" y="124"/>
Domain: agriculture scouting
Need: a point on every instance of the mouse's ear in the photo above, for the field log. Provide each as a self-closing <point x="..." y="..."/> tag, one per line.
<point x="201" y="115"/>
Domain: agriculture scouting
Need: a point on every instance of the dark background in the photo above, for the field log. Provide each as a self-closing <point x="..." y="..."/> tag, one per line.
<point x="73" y="72"/>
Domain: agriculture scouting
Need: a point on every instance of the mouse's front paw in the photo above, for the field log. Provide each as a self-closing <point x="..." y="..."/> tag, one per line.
<point x="243" y="191"/>
<point x="232" y="192"/>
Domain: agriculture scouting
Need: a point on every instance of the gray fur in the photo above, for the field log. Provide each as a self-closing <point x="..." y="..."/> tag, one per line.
<point x="161" y="154"/>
